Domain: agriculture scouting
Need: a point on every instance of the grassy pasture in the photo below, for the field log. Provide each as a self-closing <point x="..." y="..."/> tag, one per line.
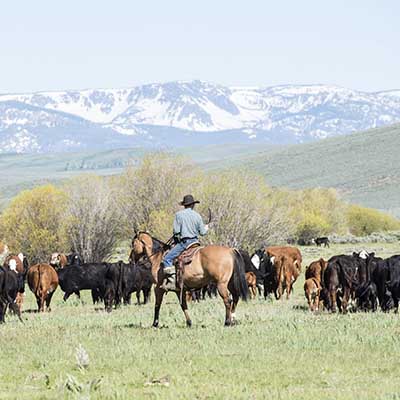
<point x="277" y="351"/>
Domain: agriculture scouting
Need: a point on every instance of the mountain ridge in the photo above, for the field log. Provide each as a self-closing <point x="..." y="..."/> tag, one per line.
<point x="166" y="114"/>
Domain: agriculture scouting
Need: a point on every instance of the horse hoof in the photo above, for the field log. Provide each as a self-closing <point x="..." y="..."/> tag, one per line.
<point x="228" y="323"/>
<point x="189" y="324"/>
<point x="155" y="324"/>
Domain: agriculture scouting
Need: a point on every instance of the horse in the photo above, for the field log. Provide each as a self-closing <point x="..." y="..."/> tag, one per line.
<point x="219" y="264"/>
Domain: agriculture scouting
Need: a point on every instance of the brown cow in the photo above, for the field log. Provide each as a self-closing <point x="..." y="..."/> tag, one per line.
<point x="15" y="263"/>
<point x="43" y="281"/>
<point x="58" y="260"/>
<point x="288" y="275"/>
<point x="251" y="280"/>
<point x="292" y="253"/>
<point x="287" y="262"/>
<point x="312" y="290"/>
<point x="316" y="270"/>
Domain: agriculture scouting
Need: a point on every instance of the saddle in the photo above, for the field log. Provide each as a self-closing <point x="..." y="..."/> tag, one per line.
<point x="185" y="258"/>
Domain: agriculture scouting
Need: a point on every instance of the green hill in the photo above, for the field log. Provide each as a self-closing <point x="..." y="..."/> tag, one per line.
<point x="364" y="167"/>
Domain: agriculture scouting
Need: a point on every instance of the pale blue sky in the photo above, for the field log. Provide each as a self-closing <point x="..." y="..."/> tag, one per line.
<point x="71" y="44"/>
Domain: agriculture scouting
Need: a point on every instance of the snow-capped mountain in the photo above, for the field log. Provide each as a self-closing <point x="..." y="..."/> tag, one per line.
<point x="184" y="113"/>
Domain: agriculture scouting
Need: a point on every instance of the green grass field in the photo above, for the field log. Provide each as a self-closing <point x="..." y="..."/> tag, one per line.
<point x="277" y="351"/>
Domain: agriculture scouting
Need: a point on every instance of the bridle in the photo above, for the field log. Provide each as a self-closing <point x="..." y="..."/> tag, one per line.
<point x="164" y="245"/>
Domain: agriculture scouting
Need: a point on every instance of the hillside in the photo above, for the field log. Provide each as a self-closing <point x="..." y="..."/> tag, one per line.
<point x="181" y="114"/>
<point x="24" y="171"/>
<point x="364" y="167"/>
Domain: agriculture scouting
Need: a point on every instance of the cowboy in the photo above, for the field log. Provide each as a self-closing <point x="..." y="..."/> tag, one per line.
<point x="188" y="225"/>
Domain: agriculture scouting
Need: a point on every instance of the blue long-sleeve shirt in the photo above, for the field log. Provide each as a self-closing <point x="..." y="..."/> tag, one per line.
<point x="188" y="224"/>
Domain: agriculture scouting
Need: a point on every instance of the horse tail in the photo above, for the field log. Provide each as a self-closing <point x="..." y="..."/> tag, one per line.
<point x="239" y="276"/>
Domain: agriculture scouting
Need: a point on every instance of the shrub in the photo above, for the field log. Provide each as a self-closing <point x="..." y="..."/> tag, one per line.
<point x="93" y="220"/>
<point x="364" y="221"/>
<point x="32" y="223"/>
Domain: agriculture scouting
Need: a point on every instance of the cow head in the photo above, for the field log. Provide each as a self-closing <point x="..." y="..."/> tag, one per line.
<point x="12" y="264"/>
<point x="55" y="259"/>
<point x="74" y="259"/>
<point x="363" y="254"/>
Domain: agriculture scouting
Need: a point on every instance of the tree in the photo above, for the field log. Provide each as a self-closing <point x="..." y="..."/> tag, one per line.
<point x="32" y="223"/>
<point x="153" y="190"/>
<point x="93" y="219"/>
<point x="245" y="213"/>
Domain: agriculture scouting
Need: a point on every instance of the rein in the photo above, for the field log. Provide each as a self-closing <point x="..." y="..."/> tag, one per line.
<point x="164" y="246"/>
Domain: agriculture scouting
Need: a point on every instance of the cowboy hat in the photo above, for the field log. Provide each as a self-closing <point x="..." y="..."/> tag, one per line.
<point x="188" y="200"/>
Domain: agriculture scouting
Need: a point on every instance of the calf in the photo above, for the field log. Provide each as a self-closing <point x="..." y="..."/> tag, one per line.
<point x="322" y="241"/>
<point x="316" y="270"/>
<point x="8" y="292"/>
<point x="332" y="285"/>
<point x="43" y="281"/>
<point x="251" y="280"/>
<point x="74" y="278"/>
<point x="312" y="289"/>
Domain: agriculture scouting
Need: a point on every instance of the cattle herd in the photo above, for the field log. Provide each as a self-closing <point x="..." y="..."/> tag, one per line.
<point x="354" y="282"/>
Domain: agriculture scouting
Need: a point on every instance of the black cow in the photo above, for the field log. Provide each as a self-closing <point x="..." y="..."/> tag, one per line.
<point x="210" y="290"/>
<point x="74" y="259"/>
<point x="322" y="241"/>
<point x="367" y="296"/>
<point x="386" y="277"/>
<point x="9" y="287"/>
<point x="143" y="281"/>
<point x="91" y="276"/>
<point x="343" y="276"/>
<point x="124" y="279"/>
<point x="266" y="270"/>
<point x="250" y="267"/>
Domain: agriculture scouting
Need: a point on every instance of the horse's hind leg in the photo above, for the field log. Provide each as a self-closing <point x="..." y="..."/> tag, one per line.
<point x="159" y="295"/>
<point x="184" y="307"/>
<point x="234" y="304"/>
<point x="223" y="292"/>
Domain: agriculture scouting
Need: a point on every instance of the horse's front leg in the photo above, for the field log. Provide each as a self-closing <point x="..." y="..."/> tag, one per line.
<point x="183" y="303"/>
<point x="159" y="295"/>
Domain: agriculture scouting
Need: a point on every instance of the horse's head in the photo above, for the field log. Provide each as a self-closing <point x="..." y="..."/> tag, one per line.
<point x="140" y="242"/>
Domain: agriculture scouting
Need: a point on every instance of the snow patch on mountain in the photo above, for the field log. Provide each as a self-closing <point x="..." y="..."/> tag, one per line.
<point x="175" y="112"/>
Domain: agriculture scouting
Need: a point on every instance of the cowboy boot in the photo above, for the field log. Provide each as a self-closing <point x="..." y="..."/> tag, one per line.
<point x="169" y="278"/>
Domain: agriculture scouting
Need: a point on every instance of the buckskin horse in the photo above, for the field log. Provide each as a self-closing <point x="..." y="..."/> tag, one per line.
<point x="219" y="264"/>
